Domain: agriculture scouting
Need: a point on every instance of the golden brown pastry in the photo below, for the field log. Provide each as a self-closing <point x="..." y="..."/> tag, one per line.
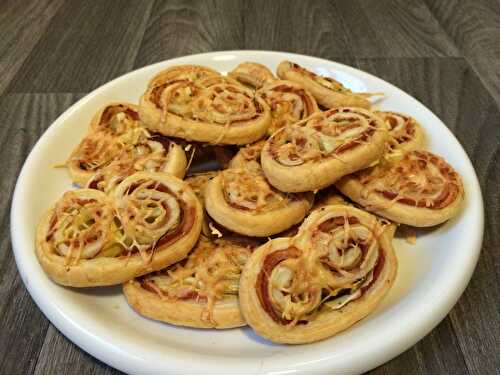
<point x="217" y="80"/>
<point x="178" y="73"/>
<point x="111" y="128"/>
<point x="332" y="144"/>
<point x="248" y="157"/>
<point x="289" y="103"/>
<point x="199" y="181"/>
<point x="89" y="239"/>
<point x="221" y="113"/>
<point x="242" y="201"/>
<point x="418" y="189"/>
<point x="201" y="291"/>
<point x="116" y="118"/>
<point x="405" y="133"/>
<point x="328" y="92"/>
<point x="151" y="153"/>
<point x="331" y="196"/>
<point x="333" y="273"/>
<point x="252" y="74"/>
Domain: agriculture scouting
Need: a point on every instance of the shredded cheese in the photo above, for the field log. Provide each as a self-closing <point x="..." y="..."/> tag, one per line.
<point x="338" y="258"/>
<point x="210" y="275"/>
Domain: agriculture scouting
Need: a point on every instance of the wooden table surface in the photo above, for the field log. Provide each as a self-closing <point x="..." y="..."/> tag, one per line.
<point x="445" y="53"/>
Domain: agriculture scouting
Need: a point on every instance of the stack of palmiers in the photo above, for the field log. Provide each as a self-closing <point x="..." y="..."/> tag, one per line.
<point x="291" y="230"/>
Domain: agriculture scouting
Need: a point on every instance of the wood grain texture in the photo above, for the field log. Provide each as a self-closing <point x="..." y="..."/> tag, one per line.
<point x="474" y="27"/>
<point x="178" y="28"/>
<point x="437" y="353"/>
<point x="452" y="89"/>
<point x="60" y="356"/>
<point x="22" y="325"/>
<point x="87" y="44"/>
<point x="393" y="28"/>
<point x="488" y="69"/>
<point x="335" y="30"/>
<point x="22" y="24"/>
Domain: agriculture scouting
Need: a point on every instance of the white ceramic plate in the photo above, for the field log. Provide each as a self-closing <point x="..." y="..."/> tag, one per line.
<point x="432" y="274"/>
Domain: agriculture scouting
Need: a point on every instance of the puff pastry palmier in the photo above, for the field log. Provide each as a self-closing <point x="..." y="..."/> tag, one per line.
<point x="328" y="92"/>
<point x="217" y="80"/>
<point x="419" y="189"/>
<point x="116" y="118"/>
<point x="252" y="74"/>
<point x="111" y="128"/>
<point x="405" y="133"/>
<point x="200" y="291"/>
<point x="248" y="157"/>
<point x="333" y="273"/>
<point x="151" y="153"/>
<point x="222" y="113"/>
<point x="242" y="201"/>
<point x="89" y="239"/>
<point x="289" y="102"/>
<point x="178" y="73"/>
<point x="311" y="156"/>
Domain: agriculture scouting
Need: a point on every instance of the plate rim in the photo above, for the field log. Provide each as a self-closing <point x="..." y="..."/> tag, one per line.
<point x="121" y="360"/>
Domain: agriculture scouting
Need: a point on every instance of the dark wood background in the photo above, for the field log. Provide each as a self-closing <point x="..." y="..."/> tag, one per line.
<point x="445" y="53"/>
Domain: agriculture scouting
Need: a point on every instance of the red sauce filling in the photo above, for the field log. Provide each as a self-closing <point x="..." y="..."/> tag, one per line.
<point x="187" y="217"/>
<point x="447" y="196"/>
<point x="376" y="271"/>
<point x="262" y="285"/>
<point x="309" y="107"/>
<point x="112" y="110"/>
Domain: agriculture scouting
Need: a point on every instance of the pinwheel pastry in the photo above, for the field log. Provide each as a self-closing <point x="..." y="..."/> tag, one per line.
<point x="331" y="196"/>
<point x="116" y="118"/>
<point x="200" y="291"/>
<point x="151" y="153"/>
<point x="328" y="92"/>
<point x="248" y="157"/>
<point x="220" y="113"/>
<point x="405" y="133"/>
<point x="333" y="273"/>
<point x="289" y="103"/>
<point x="243" y="201"/>
<point x="418" y="189"/>
<point x="252" y="74"/>
<point x="311" y="156"/>
<point x="111" y="128"/>
<point x="178" y="73"/>
<point x="151" y="220"/>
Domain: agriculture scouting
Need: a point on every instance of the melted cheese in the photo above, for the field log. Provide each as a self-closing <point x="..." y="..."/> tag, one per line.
<point x="332" y="261"/>
<point x="414" y="177"/>
<point x="250" y="190"/>
<point x="220" y="103"/>
<point x="80" y="226"/>
<point x="139" y="153"/>
<point x="145" y="215"/>
<point x="211" y="274"/>
<point x="324" y="135"/>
